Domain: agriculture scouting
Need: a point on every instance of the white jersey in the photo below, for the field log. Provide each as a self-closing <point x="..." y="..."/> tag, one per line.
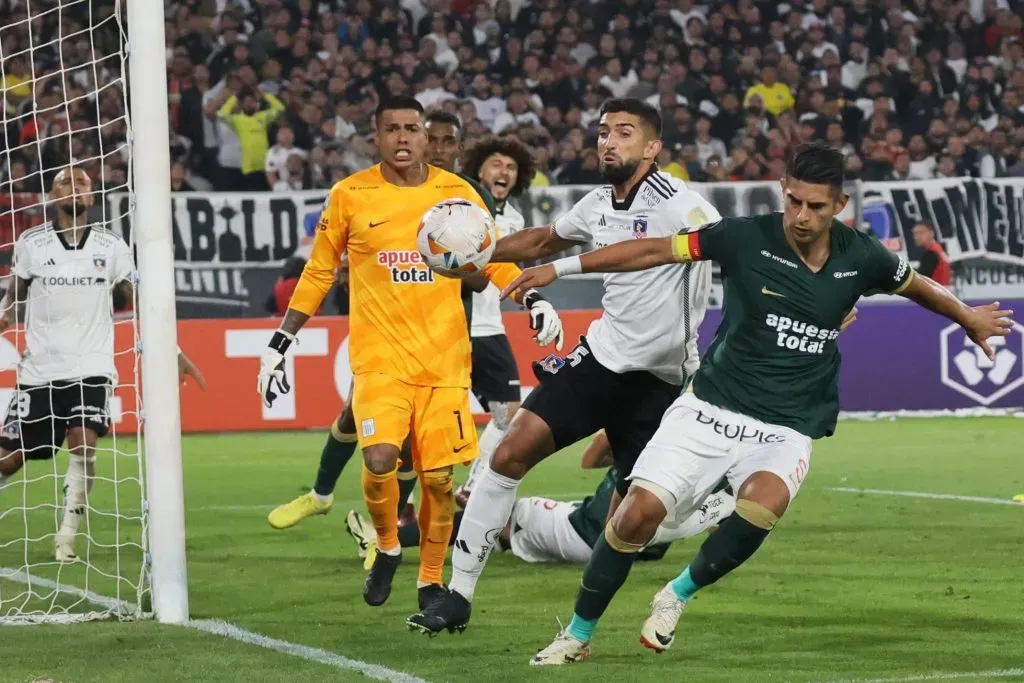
<point x="650" y="317"/>
<point x="486" y="320"/>
<point x="69" y="326"/>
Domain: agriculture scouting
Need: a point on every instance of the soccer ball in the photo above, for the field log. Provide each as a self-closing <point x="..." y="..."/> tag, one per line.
<point x="456" y="238"/>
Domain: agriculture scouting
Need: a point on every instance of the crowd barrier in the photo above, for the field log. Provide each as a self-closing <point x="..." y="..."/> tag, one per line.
<point x="895" y="357"/>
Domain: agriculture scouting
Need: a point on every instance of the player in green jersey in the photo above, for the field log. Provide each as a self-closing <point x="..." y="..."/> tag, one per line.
<point x="544" y="530"/>
<point x="767" y="385"/>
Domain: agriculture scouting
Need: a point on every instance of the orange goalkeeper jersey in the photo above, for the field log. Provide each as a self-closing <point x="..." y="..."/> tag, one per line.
<point x="406" y="321"/>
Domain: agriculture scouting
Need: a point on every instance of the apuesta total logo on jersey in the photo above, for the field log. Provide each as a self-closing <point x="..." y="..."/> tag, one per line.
<point x="798" y="335"/>
<point x="406" y="266"/>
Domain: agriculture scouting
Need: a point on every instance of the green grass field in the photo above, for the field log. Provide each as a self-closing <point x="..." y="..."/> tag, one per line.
<point x="849" y="587"/>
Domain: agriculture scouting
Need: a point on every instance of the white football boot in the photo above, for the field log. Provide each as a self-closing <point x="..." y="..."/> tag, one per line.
<point x="659" y="630"/>
<point x="565" y="649"/>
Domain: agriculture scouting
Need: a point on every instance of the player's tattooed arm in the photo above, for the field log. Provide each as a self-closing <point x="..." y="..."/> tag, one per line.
<point x="293" y="321"/>
<point x="980" y="322"/>
<point x="530" y="244"/>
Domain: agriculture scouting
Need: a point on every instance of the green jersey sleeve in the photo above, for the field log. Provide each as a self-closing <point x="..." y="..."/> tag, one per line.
<point x="884" y="272"/>
<point x="714" y="242"/>
<point x="484" y="193"/>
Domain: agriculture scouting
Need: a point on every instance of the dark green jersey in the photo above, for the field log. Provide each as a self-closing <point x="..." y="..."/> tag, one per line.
<point x="774" y="356"/>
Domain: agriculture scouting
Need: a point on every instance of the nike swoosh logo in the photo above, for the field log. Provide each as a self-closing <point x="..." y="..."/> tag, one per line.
<point x="768" y="292"/>
<point x="664" y="640"/>
<point x="462" y="448"/>
<point x="374" y="225"/>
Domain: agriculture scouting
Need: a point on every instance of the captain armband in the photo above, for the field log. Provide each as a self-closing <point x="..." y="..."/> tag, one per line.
<point x="686" y="247"/>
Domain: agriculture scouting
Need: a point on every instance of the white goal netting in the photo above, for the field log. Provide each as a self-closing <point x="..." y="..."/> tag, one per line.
<point x="64" y="104"/>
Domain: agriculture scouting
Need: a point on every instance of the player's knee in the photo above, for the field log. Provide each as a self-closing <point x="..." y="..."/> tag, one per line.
<point x="10" y="462"/>
<point x="381" y="458"/>
<point x="81" y="440"/>
<point x="437" y="482"/>
<point x="767" y="490"/>
<point x="641" y="513"/>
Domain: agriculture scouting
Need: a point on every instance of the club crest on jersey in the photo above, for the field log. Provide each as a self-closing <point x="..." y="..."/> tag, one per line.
<point x="11" y="430"/>
<point x="551" y="364"/>
<point x="99" y="261"/>
<point x="640" y="227"/>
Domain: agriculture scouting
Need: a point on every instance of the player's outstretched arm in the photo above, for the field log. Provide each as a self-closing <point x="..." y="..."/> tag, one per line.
<point x="530" y="244"/>
<point x="621" y="257"/>
<point x="980" y="322"/>
<point x="544" y="318"/>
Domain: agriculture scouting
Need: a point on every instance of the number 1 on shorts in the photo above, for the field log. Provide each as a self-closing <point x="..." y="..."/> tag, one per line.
<point x="458" y="421"/>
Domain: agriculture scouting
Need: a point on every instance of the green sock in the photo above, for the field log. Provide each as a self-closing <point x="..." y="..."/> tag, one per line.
<point x="333" y="459"/>
<point x="604" y="575"/>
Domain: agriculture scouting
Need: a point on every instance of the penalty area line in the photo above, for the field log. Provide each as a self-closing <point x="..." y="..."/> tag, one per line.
<point x="1001" y="673"/>
<point x="923" y="494"/>
<point x="224" y="629"/>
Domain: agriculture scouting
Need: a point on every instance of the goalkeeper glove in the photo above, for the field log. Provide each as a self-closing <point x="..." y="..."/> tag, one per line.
<point x="272" y="379"/>
<point x="544" y="319"/>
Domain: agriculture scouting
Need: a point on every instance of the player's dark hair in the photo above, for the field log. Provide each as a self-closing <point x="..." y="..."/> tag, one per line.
<point x="439" y="116"/>
<point x="397" y="103"/>
<point x="475" y="156"/>
<point x="630" y="105"/>
<point x="817" y="163"/>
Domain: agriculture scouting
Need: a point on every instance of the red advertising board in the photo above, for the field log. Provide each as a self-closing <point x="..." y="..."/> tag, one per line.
<point x="228" y="350"/>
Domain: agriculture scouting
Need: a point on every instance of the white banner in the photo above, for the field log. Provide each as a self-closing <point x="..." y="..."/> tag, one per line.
<point x="975" y="218"/>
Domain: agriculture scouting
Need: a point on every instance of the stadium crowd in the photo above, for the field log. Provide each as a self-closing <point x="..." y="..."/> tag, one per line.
<point x="277" y="94"/>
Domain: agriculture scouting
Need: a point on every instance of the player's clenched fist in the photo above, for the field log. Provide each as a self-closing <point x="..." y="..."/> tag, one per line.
<point x="273" y="381"/>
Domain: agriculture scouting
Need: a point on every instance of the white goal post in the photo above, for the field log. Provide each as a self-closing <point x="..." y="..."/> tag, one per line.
<point x="84" y="85"/>
<point x="154" y="241"/>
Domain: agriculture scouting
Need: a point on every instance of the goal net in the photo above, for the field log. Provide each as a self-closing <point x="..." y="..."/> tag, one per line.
<point x="65" y="104"/>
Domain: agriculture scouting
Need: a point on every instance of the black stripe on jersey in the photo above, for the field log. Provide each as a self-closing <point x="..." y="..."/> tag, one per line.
<point x="687" y="272"/>
<point x="660" y="185"/>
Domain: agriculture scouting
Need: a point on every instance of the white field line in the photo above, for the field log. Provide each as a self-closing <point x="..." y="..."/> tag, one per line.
<point x="1003" y="673"/>
<point x="924" y="494"/>
<point x="225" y="629"/>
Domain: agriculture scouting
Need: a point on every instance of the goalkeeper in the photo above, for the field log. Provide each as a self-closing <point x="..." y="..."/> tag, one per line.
<point x="409" y="342"/>
<point x="70" y="268"/>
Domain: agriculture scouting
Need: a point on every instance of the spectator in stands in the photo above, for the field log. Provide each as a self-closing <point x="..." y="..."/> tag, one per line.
<point x="277" y="303"/>
<point x="275" y="163"/>
<point x="933" y="263"/>
<point x="251" y="126"/>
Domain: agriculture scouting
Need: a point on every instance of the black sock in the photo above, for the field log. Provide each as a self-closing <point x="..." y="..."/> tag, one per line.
<point x="406" y="478"/>
<point x="333" y="459"/>
<point x="605" y="573"/>
<point x="729" y="547"/>
<point x="409" y="535"/>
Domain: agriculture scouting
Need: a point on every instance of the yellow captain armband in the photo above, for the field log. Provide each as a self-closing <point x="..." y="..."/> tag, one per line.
<point x="686" y="247"/>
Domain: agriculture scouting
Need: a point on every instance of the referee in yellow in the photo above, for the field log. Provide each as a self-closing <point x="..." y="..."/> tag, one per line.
<point x="252" y="126"/>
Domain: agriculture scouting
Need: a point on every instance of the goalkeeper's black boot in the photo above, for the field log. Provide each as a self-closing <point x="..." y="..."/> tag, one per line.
<point x="377" y="588"/>
<point x="448" y="611"/>
<point x="429" y="593"/>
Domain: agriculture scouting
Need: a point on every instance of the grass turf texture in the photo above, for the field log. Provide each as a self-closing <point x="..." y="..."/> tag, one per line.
<point x="849" y="586"/>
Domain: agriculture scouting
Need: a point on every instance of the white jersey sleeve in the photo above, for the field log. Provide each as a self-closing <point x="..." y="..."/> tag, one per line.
<point x="22" y="266"/>
<point x="486" y="320"/>
<point x="576" y="224"/>
<point x="123" y="267"/>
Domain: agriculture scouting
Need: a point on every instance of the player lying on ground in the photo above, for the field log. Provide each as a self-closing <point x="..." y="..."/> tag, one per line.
<point x="65" y="274"/>
<point x="628" y="369"/>
<point x="409" y="347"/>
<point x="767" y="386"/>
<point x="547" y="530"/>
<point x="495" y="164"/>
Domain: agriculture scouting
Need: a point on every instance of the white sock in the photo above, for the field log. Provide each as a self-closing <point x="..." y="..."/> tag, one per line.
<point x="77" y="484"/>
<point x="486" y="515"/>
<point x="320" y="498"/>
<point x="488" y="442"/>
<point x="713" y="510"/>
<point x="393" y="552"/>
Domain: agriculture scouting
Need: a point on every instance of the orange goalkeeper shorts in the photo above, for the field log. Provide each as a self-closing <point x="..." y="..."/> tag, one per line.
<point x="439" y="419"/>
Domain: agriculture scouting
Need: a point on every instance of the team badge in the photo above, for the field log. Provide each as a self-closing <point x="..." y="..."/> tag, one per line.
<point x="551" y="364"/>
<point x="640" y="227"/>
<point x="11" y="430"/>
<point x="99" y="261"/>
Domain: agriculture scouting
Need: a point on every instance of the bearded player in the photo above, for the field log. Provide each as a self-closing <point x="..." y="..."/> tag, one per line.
<point x="767" y="386"/>
<point x="409" y="343"/>
<point x="65" y="273"/>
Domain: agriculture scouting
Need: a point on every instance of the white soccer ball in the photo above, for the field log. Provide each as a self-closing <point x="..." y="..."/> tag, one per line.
<point x="456" y="238"/>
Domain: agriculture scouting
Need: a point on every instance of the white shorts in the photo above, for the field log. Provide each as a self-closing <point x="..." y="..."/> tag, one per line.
<point x="698" y="443"/>
<point x="541" y="532"/>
